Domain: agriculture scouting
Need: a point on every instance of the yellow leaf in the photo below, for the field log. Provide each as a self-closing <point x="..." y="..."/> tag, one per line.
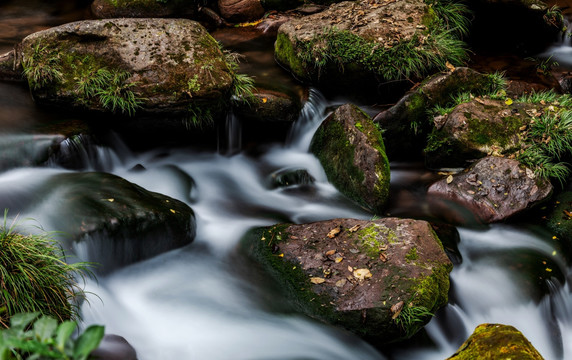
<point x="110" y="200"/>
<point x="350" y="269"/>
<point x="264" y="100"/>
<point x="549" y="269"/>
<point x="330" y="252"/>
<point x="334" y="232"/>
<point x="281" y="255"/>
<point x="354" y="228"/>
<point x="554" y="253"/>
<point x="173" y="211"/>
<point x="362" y="274"/>
<point x="317" y="280"/>
<point x="339" y="259"/>
<point x="508" y="101"/>
<point x="449" y="66"/>
<point x="449" y="179"/>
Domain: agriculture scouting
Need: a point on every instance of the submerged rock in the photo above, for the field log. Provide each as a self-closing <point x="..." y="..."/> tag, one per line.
<point x="129" y="65"/>
<point x="351" y="150"/>
<point x="380" y="279"/>
<point x="142" y="8"/>
<point x="115" y="222"/>
<point x="114" y="347"/>
<point x="494" y="188"/>
<point x="496" y="341"/>
<point x="27" y="150"/>
<point x="290" y="177"/>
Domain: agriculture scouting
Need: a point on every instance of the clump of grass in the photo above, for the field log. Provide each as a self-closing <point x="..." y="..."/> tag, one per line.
<point x="242" y="84"/>
<point x="451" y="15"/>
<point x="42" y="66"/>
<point x="34" y="276"/>
<point x="411" y="318"/>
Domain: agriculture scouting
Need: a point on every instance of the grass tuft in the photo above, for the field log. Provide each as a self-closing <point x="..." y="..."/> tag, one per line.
<point x="34" y="276"/>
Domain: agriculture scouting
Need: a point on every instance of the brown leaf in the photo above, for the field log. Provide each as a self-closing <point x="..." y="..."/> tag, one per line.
<point x="449" y="66"/>
<point x="317" y="280"/>
<point x="354" y="228"/>
<point x="334" y="232"/>
<point x="330" y="252"/>
<point x="449" y="179"/>
<point x="340" y="283"/>
<point x="567" y="213"/>
<point x="339" y="258"/>
<point x="383" y="257"/>
<point x="350" y="269"/>
<point x="396" y="309"/>
<point x="362" y="274"/>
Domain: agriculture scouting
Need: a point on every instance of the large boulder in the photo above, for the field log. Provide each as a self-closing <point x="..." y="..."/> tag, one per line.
<point x="129" y="65"/>
<point x="114" y="222"/>
<point x="496" y="341"/>
<point x="351" y="150"/>
<point x="380" y="279"/>
<point x="240" y="10"/>
<point x="407" y="123"/>
<point x="355" y="42"/>
<point x="142" y="8"/>
<point x="476" y="129"/>
<point x="494" y="188"/>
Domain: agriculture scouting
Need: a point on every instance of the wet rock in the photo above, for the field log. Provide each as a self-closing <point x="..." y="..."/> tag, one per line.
<point x="351" y="150"/>
<point x="355" y="42"/>
<point x="27" y="150"/>
<point x="128" y="66"/>
<point x="476" y="129"/>
<point x="290" y="177"/>
<point x="107" y="9"/>
<point x="269" y="106"/>
<point x="496" y="341"/>
<point x="494" y="188"/>
<point x="10" y="69"/>
<point x="406" y="123"/>
<point x="114" y="347"/>
<point x="240" y="10"/>
<point x="367" y="276"/>
<point x="114" y="222"/>
<point x="559" y="218"/>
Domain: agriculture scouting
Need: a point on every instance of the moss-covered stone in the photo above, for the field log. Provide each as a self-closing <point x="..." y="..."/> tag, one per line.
<point x="355" y="274"/>
<point x="351" y="150"/>
<point x="496" y="341"/>
<point x="127" y="65"/>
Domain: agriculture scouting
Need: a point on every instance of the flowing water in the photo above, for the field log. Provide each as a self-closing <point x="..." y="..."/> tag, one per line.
<point x="207" y="301"/>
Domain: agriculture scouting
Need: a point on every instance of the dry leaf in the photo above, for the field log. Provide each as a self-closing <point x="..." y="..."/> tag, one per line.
<point x="396" y="309"/>
<point x="508" y="101"/>
<point x="350" y="269"/>
<point x="334" y="232"/>
<point x="330" y="252"/>
<point x="340" y="283"/>
<point x="173" y="211"/>
<point x="362" y="274"/>
<point x="383" y="257"/>
<point x="339" y="259"/>
<point x="354" y="228"/>
<point x="449" y="179"/>
<point x="317" y="280"/>
<point x="567" y="213"/>
<point x="449" y="66"/>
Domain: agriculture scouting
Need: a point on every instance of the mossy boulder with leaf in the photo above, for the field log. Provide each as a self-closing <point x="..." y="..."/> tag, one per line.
<point x="352" y="153"/>
<point x="128" y="66"/>
<point x="496" y="341"/>
<point x="535" y="129"/>
<point x="381" y="279"/>
<point x="361" y="43"/>
<point x="407" y="123"/>
<point x="143" y="8"/>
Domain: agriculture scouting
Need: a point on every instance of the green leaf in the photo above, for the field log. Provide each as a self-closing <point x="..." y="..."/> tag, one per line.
<point x="19" y="322"/>
<point x="44" y="328"/>
<point x="88" y="341"/>
<point x="64" y="332"/>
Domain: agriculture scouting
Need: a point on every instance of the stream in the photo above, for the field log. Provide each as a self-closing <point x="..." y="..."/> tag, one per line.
<point x="206" y="301"/>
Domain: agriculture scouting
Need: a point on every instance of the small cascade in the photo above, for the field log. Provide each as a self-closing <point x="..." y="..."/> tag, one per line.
<point x="81" y="152"/>
<point x="230" y="142"/>
<point x="561" y="50"/>
<point x="310" y="118"/>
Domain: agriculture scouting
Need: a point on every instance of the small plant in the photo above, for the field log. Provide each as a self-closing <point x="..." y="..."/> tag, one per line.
<point x="197" y="117"/>
<point x="242" y="84"/>
<point x="451" y="15"/>
<point x="35" y="277"/>
<point x="30" y="337"/>
<point x="41" y="67"/>
<point x="544" y="67"/>
<point x="411" y="318"/>
<point x="554" y="17"/>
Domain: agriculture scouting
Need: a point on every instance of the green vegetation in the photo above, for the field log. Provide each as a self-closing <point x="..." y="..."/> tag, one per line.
<point x="554" y="17"/>
<point x="242" y="84"/>
<point x="411" y="318"/>
<point x="544" y="67"/>
<point x="42" y="67"/>
<point x="35" y="277"/>
<point x="30" y="337"/>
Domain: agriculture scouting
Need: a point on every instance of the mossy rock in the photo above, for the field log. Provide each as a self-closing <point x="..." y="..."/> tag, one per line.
<point x="127" y="66"/>
<point x="476" y="129"/>
<point x="355" y="43"/>
<point x="380" y="279"/>
<point x="351" y="150"/>
<point x="407" y="123"/>
<point x="107" y="9"/>
<point x="115" y="221"/>
<point x="496" y="341"/>
<point x="268" y="106"/>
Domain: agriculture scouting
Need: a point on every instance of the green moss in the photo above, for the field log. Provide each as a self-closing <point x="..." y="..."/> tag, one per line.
<point x="285" y="54"/>
<point x="494" y="133"/>
<point x="412" y="255"/>
<point x="373" y="238"/>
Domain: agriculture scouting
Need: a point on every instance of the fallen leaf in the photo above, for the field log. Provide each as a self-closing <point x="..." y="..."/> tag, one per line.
<point x="354" y="251"/>
<point x="330" y="252"/>
<point x="350" y="269"/>
<point x="339" y="259"/>
<point x="383" y="257"/>
<point x="317" y="280"/>
<point x="334" y="232"/>
<point x="567" y="213"/>
<point x="508" y="101"/>
<point x="173" y="211"/>
<point x="293" y="237"/>
<point x="383" y="247"/>
<point x="449" y="66"/>
<point x="264" y="100"/>
<point x="110" y="200"/>
<point x="340" y="283"/>
<point x="362" y="274"/>
<point x="354" y="228"/>
<point x="449" y="179"/>
<point x="396" y="309"/>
